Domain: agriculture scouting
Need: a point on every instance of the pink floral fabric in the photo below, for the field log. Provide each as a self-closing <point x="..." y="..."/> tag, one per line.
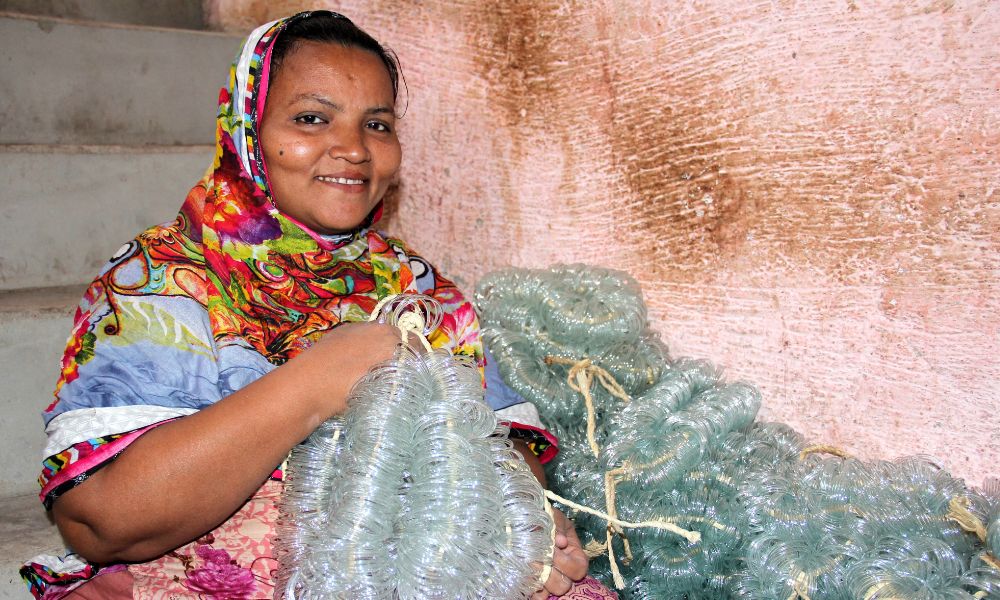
<point x="233" y="562"/>
<point x="587" y="589"/>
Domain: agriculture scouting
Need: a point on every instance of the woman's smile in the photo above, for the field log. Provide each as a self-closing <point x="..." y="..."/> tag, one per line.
<point x="350" y="182"/>
<point x="328" y="136"/>
<point x="345" y="180"/>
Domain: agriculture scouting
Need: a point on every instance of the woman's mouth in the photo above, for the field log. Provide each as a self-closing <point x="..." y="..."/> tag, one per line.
<point x="341" y="180"/>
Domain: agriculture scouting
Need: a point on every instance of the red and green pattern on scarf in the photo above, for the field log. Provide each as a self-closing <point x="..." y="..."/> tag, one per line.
<point x="273" y="283"/>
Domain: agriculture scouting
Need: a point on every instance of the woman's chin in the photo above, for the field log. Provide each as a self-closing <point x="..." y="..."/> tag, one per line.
<point x="338" y="227"/>
<point x="337" y="223"/>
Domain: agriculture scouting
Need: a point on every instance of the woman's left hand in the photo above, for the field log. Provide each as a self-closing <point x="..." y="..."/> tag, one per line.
<point x="569" y="563"/>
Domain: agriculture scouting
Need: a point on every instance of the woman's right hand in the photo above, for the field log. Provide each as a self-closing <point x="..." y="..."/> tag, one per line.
<point x="354" y="348"/>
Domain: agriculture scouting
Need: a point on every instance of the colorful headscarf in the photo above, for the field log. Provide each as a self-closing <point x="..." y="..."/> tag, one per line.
<point x="142" y="351"/>
<point x="274" y="283"/>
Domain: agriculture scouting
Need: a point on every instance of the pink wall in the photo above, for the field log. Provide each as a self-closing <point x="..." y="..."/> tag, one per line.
<point x="807" y="190"/>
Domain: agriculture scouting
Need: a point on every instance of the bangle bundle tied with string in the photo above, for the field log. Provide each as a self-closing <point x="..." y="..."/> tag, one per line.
<point x="758" y="513"/>
<point x="415" y="492"/>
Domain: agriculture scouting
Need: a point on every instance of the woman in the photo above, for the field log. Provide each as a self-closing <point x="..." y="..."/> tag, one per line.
<point x="208" y="347"/>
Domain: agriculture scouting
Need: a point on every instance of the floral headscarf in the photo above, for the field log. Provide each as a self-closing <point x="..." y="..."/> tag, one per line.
<point x="276" y="284"/>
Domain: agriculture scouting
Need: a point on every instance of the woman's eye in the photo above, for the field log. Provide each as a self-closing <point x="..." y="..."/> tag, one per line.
<point x="379" y="126"/>
<point x="309" y="119"/>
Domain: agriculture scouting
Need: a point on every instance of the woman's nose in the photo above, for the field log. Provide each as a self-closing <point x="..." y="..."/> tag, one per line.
<point x="350" y="144"/>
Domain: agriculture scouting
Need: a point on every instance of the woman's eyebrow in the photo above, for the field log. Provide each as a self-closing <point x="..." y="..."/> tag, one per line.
<point x="375" y="110"/>
<point x="318" y="98"/>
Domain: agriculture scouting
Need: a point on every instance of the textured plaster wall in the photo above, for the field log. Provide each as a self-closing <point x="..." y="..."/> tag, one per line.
<point x="807" y="190"/>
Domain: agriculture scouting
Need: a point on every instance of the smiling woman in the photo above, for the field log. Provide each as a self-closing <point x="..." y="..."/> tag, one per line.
<point x="329" y="135"/>
<point x="210" y="346"/>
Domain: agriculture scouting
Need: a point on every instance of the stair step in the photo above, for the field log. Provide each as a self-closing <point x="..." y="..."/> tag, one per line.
<point x="34" y="325"/>
<point x="184" y="14"/>
<point x="73" y="82"/>
<point x="64" y="210"/>
<point x="25" y="531"/>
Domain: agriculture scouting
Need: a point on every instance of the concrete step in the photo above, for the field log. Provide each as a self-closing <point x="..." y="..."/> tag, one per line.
<point x="73" y="82"/>
<point x="34" y="326"/>
<point x="25" y="531"/>
<point x="185" y="14"/>
<point x="64" y="210"/>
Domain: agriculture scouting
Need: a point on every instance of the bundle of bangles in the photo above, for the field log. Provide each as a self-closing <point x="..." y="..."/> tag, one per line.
<point x="676" y="490"/>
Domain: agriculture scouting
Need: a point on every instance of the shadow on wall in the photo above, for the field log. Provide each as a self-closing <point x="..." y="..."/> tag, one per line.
<point x="808" y="191"/>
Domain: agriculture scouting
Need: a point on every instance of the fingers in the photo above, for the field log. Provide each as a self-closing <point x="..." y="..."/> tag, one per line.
<point x="569" y="558"/>
<point x="558" y="583"/>
<point x="328" y="370"/>
<point x="414" y="341"/>
<point x="561" y="540"/>
<point x="570" y="563"/>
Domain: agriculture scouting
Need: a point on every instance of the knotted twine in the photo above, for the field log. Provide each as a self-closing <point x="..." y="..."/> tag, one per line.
<point x="825" y="449"/>
<point x="411" y="321"/>
<point x="580" y="378"/>
<point x="958" y="511"/>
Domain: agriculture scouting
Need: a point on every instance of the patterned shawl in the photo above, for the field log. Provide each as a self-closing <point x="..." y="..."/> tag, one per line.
<point x="192" y="310"/>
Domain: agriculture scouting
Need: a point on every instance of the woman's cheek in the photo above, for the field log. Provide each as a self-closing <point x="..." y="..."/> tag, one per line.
<point x="393" y="157"/>
<point x="299" y="152"/>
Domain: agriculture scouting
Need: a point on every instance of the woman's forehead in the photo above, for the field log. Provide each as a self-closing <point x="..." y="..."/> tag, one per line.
<point x="331" y="75"/>
<point x="318" y="63"/>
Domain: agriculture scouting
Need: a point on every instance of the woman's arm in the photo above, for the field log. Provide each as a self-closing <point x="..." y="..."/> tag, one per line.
<point x="183" y="478"/>
<point x="569" y="563"/>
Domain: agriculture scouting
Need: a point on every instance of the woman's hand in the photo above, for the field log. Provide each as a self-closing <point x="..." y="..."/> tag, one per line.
<point x="569" y="563"/>
<point x="348" y="351"/>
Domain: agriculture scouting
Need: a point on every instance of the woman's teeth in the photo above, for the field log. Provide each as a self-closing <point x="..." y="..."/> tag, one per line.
<point x="343" y="180"/>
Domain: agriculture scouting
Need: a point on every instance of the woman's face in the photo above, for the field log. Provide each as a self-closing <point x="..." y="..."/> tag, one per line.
<point x="328" y="135"/>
